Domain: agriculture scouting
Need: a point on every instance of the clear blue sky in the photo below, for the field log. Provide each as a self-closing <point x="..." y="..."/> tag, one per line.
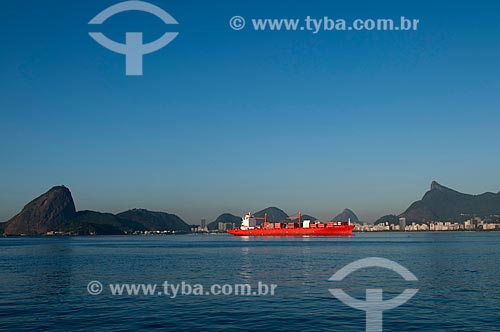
<point x="227" y="120"/>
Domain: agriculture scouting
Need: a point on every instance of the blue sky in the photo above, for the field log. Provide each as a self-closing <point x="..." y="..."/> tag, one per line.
<point x="227" y="120"/>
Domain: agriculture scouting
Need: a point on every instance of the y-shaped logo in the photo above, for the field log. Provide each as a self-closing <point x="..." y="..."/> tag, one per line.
<point x="374" y="305"/>
<point x="133" y="49"/>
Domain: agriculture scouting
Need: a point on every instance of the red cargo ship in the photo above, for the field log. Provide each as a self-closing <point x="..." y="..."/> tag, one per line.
<point x="249" y="227"/>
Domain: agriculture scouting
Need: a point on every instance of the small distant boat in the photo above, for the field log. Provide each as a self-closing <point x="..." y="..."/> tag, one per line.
<point x="249" y="227"/>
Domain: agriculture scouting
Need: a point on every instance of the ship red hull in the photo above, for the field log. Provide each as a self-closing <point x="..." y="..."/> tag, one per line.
<point x="343" y="230"/>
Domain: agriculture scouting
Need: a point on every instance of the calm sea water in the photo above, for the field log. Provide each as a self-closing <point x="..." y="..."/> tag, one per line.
<point x="43" y="282"/>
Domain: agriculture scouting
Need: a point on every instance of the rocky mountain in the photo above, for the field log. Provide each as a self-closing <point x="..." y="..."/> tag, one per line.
<point x="43" y="214"/>
<point x="346" y="215"/>
<point x="225" y="218"/>
<point x="155" y="220"/>
<point x="55" y="211"/>
<point x="441" y="203"/>
<point x="91" y="222"/>
<point x="273" y="215"/>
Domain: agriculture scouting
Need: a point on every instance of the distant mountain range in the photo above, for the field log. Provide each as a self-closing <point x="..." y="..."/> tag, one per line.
<point x="55" y="211"/>
<point x="274" y="214"/>
<point x="155" y="220"/>
<point x="441" y="203"/>
<point x="347" y="215"/>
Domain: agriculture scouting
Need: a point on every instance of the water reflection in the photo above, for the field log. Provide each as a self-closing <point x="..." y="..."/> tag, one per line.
<point x="246" y="263"/>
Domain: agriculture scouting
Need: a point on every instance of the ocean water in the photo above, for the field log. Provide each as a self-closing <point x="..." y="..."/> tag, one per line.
<point x="43" y="282"/>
